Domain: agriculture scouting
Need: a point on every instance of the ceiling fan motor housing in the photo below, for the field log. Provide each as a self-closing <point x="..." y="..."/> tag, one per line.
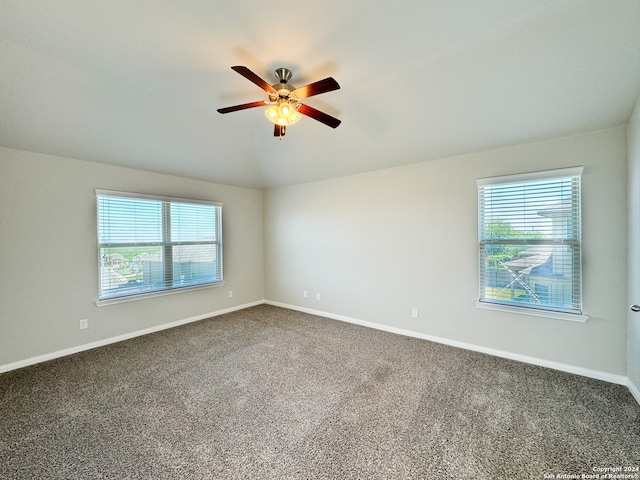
<point x="283" y="88"/>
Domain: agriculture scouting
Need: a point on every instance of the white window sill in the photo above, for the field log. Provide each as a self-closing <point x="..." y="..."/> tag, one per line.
<point x="572" y="317"/>
<point x="158" y="293"/>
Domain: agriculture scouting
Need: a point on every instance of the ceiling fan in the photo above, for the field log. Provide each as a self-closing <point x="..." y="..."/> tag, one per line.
<point x="284" y="100"/>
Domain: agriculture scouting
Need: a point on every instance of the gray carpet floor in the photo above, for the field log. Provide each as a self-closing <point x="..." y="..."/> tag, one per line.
<point x="270" y="393"/>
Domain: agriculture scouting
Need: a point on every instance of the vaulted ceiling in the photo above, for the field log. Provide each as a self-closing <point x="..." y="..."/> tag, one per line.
<point x="137" y="83"/>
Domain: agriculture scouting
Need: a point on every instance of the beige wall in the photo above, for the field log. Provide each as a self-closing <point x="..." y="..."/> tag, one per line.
<point x="48" y="263"/>
<point x="633" y="356"/>
<point x="374" y="246"/>
<point x="377" y="245"/>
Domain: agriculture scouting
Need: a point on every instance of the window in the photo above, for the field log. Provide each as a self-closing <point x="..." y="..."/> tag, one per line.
<point x="529" y="241"/>
<point x="149" y="244"/>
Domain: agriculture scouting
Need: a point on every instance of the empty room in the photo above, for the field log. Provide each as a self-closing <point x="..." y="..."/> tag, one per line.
<point x="340" y="239"/>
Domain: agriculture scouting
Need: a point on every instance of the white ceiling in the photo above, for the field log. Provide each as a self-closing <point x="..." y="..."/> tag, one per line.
<point x="137" y="83"/>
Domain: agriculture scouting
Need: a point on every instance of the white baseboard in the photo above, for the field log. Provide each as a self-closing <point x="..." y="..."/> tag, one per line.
<point x="107" y="341"/>
<point x="585" y="372"/>
<point x="596" y="374"/>
<point x="634" y="390"/>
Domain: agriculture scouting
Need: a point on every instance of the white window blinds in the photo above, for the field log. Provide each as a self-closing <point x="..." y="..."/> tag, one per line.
<point x="150" y="244"/>
<point x="529" y="240"/>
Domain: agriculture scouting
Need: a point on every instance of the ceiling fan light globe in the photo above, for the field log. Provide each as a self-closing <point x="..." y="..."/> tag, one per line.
<point x="295" y="116"/>
<point x="272" y="113"/>
<point x="285" y="110"/>
<point x="283" y="113"/>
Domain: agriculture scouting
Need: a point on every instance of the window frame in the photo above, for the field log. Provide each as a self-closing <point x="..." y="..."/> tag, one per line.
<point x="166" y="244"/>
<point x="575" y="242"/>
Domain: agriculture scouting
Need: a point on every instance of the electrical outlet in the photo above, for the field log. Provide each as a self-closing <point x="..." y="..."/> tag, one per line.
<point x="230" y="293"/>
<point x="84" y="323"/>
<point x="414" y="313"/>
<point x="317" y="296"/>
<point x="305" y="294"/>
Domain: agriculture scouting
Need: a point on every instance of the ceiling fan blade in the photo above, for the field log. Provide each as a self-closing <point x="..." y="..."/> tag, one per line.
<point x="319" y="116"/>
<point x="249" y="75"/>
<point x="244" y="106"/>
<point x="279" y="130"/>
<point x="316" y="88"/>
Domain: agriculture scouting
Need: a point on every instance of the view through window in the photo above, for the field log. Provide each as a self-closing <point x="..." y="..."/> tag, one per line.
<point x="152" y="244"/>
<point x="529" y="240"/>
